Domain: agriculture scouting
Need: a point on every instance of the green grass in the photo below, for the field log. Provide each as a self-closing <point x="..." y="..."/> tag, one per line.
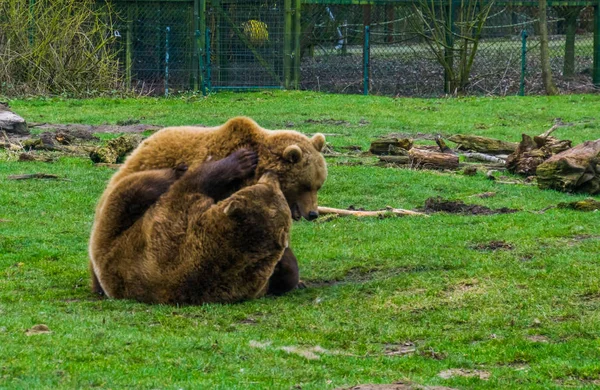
<point x="373" y="283"/>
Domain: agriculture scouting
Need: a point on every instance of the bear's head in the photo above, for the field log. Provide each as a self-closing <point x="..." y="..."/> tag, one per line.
<point x="297" y="161"/>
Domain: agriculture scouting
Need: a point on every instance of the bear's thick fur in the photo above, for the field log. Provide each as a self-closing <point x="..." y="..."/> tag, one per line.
<point x="203" y="214"/>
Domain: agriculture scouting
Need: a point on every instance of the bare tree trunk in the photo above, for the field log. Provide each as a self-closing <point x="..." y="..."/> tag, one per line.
<point x="545" y="52"/>
<point x="570" y="14"/>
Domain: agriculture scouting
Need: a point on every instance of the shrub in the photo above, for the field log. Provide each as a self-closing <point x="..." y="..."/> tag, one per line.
<point x="56" y="46"/>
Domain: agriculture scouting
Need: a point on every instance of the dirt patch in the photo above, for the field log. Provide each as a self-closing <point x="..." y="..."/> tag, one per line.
<point x="38" y="329"/>
<point x="538" y="338"/>
<point x="438" y="204"/>
<point x="407" y="348"/>
<point x="419" y="136"/>
<point x="328" y="121"/>
<point x="395" y="386"/>
<point x="493" y="246"/>
<point x="447" y="374"/>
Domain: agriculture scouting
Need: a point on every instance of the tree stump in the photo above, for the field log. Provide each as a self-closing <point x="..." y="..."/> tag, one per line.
<point x="483" y="144"/>
<point x="391" y="146"/>
<point x="532" y="152"/>
<point x="574" y="170"/>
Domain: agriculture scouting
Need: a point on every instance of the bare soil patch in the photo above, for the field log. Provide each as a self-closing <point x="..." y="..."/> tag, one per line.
<point x="396" y="386"/>
<point x="494" y="246"/>
<point x="438" y="204"/>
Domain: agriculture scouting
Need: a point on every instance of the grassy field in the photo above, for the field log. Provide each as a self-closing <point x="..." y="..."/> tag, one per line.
<point x="387" y="299"/>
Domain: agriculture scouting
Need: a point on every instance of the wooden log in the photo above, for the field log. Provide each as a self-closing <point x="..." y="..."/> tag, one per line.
<point x="432" y="160"/>
<point x="483" y="144"/>
<point x="391" y="146"/>
<point x="378" y="213"/>
<point x="532" y="152"/>
<point x="574" y="170"/>
<point x="401" y="160"/>
<point x="581" y="205"/>
<point x="115" y="149"/>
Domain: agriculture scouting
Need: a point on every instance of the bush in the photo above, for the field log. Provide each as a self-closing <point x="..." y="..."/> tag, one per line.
<point x="55" y="47"/>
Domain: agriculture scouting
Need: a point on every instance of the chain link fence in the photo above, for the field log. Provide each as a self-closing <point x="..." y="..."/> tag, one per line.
<point x="171" y="46"/>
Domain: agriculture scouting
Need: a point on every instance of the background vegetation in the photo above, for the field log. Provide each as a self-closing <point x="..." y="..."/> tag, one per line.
<point x="55" y="47"/>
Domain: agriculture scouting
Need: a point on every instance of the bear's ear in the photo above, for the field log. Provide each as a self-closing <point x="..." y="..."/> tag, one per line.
<point x="292" y="153"/>
<point x="318" y="141"/>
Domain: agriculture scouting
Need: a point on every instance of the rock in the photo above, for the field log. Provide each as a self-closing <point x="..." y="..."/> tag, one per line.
<point x="11" y="122"/>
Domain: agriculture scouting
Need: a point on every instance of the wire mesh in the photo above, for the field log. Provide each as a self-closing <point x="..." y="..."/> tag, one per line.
<point x="403" y="64"/>
<point x="247" y="44"/>
<point x="156" y="41"/>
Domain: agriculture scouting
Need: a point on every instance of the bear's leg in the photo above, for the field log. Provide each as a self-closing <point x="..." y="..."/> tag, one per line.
<point x="134" y="195"/>
<point x="286" y="275"/>
<point x="219" y="179"/>
<point x="96" y="287"/>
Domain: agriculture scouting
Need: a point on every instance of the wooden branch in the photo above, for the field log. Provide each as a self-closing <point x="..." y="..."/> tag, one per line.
<point x="484" y="157"/>
<point x="33" y="176"/>
<point x="358" y="213"/>
<point x="442" y="145"/>
<point x="549" y="131"/>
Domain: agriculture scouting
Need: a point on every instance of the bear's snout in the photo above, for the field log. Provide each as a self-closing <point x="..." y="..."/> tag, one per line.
<point x="312" y="215"/>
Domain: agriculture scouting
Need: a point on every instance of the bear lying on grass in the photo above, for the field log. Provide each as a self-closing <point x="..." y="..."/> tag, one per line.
<point x="201" y="215"/>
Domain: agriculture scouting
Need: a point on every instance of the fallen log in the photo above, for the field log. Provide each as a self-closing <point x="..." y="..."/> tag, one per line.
<point x="432" y="160"/>
<point x="34" y="157"/>
<point x="360" y="213"/>
<point x="401" y="160"/>
<point x="483" y="144"/>
<point x="115" y="149"/>
<point x="582" y="205"/>
<point x="574" y="170"/>
<point x="532" y="152"/>
<point x="391" y="146"/>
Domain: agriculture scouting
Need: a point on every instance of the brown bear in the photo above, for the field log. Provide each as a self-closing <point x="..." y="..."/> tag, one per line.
<point x="203" y="214"/>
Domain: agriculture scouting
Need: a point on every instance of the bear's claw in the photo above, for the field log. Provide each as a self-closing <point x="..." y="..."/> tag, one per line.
<point x="245" y="161"/>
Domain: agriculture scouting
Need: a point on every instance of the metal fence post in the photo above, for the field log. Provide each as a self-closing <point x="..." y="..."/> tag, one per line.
<point x="366" y="61"/>
<point x="287" y="44"/>
<point x="208" y="77"/>
<point x="449" y="50"/>
<point x="523" y="62"/>
<point x="596" y="70"/>
<point x="168" y="32"/>
<point x="129" y="45"/>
